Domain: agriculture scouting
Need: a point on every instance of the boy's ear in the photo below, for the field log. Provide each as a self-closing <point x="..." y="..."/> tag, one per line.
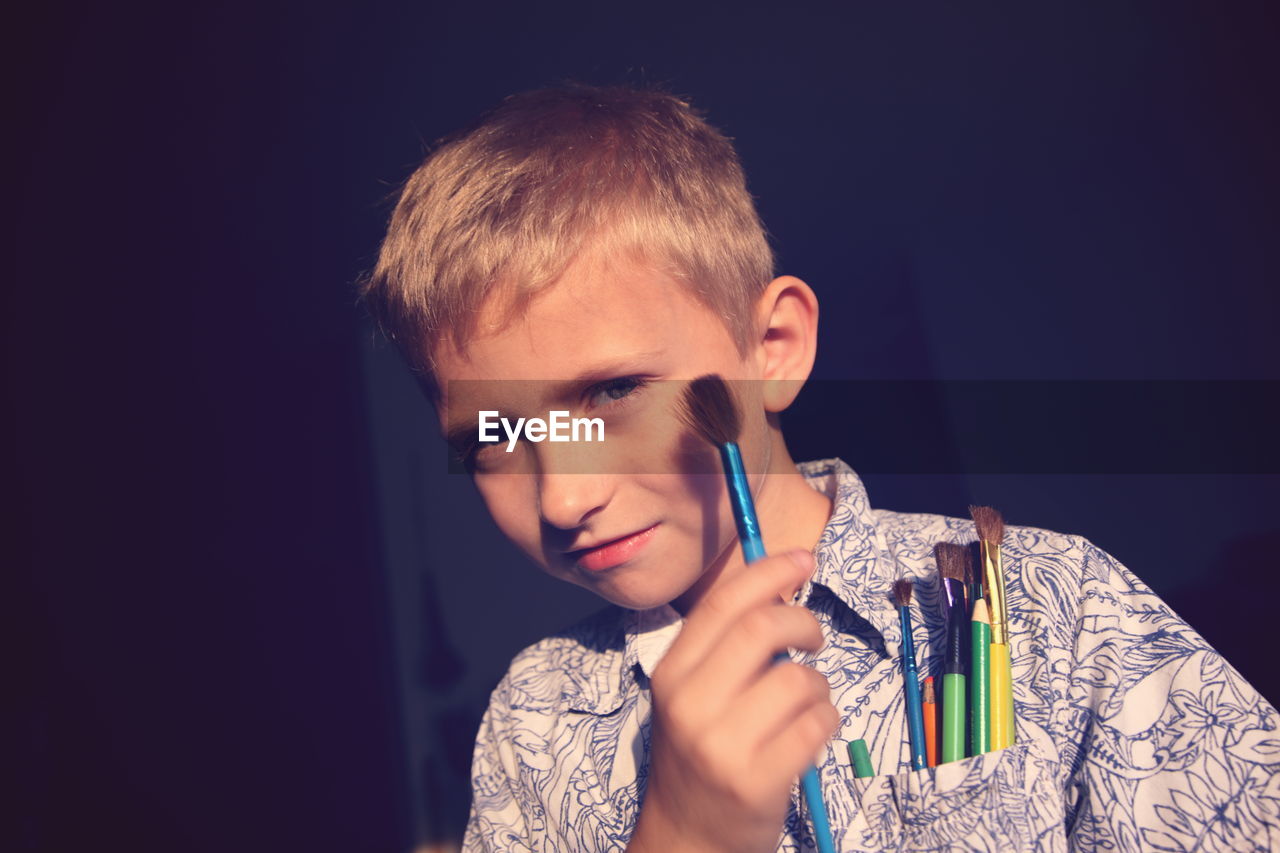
<point x="788" y="320"/>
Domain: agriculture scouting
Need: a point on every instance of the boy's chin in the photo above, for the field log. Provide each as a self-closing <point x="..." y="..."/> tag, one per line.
<point x="637" y="597"/>
<point x="640" y="604"/>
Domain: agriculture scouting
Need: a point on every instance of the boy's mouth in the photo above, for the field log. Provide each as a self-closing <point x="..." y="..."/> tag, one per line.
<point x="614" y="552"/>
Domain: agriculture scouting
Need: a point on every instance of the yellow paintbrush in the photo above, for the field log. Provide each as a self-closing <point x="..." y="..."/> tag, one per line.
<point x="990" y="527"/>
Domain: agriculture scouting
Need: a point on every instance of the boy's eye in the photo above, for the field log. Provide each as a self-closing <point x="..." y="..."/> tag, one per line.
<point x="464" y="452"/>
<point x="467" y="450"/>
<point x="476" y="453"/>
<point x="604" y="393"/>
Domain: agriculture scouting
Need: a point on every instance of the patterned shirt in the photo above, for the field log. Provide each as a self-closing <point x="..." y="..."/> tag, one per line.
<point x="1132" y="733"/>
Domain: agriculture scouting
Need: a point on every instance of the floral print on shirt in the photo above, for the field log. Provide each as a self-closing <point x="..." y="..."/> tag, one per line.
<point x="1132" y="732"/>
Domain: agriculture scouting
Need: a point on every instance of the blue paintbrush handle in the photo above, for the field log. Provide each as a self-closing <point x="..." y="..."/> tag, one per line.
<point x="744" y="516"/>
<point x="817" y="810"/>
<point x="915" y="709"/>
<point x="744" y="509"/>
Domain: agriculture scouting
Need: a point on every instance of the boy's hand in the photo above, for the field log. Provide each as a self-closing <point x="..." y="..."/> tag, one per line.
<point x="731" y="730"/>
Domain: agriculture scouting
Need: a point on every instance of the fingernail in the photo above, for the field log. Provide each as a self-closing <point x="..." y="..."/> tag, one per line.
<point x="802" y="559"/>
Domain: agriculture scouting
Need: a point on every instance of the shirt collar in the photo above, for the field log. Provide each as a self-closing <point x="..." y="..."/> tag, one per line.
<point x="649" y="634"/>
<point x="854" y="564"/>
<point x="854" y="560"/>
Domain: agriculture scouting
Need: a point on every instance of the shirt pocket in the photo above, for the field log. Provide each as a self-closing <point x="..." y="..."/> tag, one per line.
<point x="1003" y="800"/>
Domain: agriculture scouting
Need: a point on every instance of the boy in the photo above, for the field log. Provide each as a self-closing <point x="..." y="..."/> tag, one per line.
<point x="598" y="242"/>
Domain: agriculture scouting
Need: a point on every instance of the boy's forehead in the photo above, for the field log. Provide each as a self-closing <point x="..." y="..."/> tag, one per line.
<point x="594" y="323"/>
<point x="462" y="399"/>
<point x="594" y="319"/>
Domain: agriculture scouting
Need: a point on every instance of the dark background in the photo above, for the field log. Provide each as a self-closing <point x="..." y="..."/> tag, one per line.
<point x="244" y="608"/>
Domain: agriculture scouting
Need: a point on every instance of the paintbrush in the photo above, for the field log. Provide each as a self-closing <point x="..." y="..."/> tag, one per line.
<point x="973" y="584"/>
<point x="915" y="713"/>
<point x="990" y="527"/>
<point x="711" y="412"/>
<point x="950" y="559"/>
<point x="967" y="642"/>
<point x="930" y="723"/>
<point x="979" y="681"/>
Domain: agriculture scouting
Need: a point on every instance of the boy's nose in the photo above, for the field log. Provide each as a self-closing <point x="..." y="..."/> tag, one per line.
<point x="568" y="500"/>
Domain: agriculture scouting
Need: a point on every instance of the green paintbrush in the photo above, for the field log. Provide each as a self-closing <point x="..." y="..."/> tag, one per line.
<point x="979" y="687"/>
<point x="951" y="559"/>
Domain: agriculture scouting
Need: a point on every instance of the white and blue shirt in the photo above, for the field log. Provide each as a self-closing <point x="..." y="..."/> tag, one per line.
<point x="1132" y="733"/>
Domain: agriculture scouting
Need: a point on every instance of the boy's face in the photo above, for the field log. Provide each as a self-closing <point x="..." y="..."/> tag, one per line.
<point x="638" y="518"/>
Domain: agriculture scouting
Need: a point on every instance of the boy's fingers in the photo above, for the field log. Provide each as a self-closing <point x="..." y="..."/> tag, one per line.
<point x="748" y="648"/>
<point x="759" y="583"/>
<point x="745" y="653"/>
<point x="784" y="738"/>
<point x="769" y="707"/>
<point x="730" y="751"/>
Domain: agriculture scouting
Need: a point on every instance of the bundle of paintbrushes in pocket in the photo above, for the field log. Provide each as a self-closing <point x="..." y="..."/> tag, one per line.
<point x="975" y="711"/>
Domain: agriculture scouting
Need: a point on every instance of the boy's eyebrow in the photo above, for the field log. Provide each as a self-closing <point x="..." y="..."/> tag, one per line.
<point x="631" y="365"/>
<point x="464" y="433"/>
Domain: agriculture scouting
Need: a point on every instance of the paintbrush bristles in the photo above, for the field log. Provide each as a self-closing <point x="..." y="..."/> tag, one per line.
<point x="951" y="559"/>
<point x="902" y="592"/>
<point x="710" y="410"/>
<point x="990" y="527"/>
<point x="989" y="522"/>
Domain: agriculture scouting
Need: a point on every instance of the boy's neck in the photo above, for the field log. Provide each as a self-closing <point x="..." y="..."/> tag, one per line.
<point x="792" y="517"/>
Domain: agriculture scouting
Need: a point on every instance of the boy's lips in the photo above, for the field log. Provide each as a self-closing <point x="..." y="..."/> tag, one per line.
<point x="612" y="553"/>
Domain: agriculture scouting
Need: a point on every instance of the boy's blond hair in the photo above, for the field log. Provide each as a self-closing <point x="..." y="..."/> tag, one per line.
<point x="548" y="175"/>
